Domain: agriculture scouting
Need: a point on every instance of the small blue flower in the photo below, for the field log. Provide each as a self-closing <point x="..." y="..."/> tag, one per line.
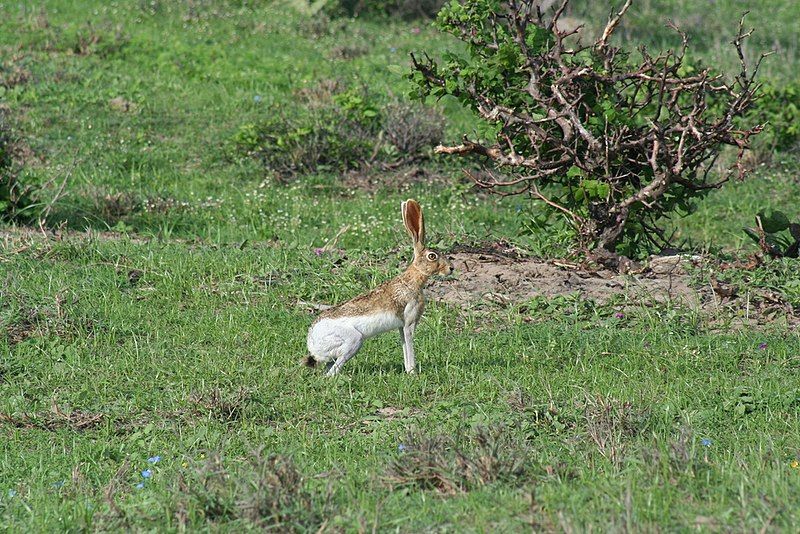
<point x="393" y="49"/>
<point x="762" y="346"/>
<point x="619" y="315"/>
<point x="12" y="493"/>
<point x="706" y="442"/>
<point x="154" y="459"/>
<point x="402" y="448"/>
<point x="140" y="485"/>
<point x="147" y="473"/>
<point x="257" y="99"/>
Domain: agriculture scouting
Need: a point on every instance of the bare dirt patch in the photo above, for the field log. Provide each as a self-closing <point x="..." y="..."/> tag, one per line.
<point x="501" y="276"/>
<point x="497" y="274"/>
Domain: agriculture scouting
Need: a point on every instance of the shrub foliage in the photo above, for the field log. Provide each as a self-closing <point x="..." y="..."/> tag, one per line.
<point x="341" y="130"/>
<point x="614" y="141"/>
<point x="406" y="9"/>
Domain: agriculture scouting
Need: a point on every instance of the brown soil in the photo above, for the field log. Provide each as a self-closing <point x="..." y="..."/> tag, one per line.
<point x="495" y="274"/>
<point x="502" y="278"/>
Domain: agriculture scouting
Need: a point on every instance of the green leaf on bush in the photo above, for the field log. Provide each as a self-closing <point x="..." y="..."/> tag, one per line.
<point x="773" y="221"/>
<point x="752" y="234"/>
<point x="574" y="171"/>
<point x="595" y="189"/>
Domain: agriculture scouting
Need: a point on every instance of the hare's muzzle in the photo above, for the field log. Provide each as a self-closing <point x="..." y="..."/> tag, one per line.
<point x="446" y="268"/>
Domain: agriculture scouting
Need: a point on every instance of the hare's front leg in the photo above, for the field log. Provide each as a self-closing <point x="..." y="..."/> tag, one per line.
<point x="407" y="338"/>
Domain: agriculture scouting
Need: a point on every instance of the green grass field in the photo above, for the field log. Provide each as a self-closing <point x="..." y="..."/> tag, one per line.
<point x="150" y="333"/>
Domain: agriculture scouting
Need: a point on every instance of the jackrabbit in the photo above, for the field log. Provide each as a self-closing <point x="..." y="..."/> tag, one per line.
<point x="337" y="334"/>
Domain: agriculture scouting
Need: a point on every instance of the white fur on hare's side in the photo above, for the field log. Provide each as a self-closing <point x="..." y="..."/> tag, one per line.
<point x="329" y="339"/>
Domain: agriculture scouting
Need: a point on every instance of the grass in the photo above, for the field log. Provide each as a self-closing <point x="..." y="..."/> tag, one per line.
<point x="178" y="333"/>
<point x="710" y="27"/>
<point x="150" y="356"/>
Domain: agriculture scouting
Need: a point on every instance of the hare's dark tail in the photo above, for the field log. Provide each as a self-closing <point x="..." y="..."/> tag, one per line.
<point x="309" y="361"/>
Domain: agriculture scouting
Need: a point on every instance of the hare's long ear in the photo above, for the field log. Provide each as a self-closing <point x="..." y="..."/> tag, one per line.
<point x="415" y="223"/>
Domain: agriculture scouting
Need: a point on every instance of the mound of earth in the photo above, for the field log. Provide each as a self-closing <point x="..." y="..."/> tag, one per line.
<point x="501" y="276"/>
<point x="496" y="273"/>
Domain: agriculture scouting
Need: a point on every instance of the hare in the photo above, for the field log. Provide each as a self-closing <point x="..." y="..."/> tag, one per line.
<point x="337" y="334"/>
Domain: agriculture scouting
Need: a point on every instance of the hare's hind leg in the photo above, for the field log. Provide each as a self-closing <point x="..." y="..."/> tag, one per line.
<point x="349" y="342"/>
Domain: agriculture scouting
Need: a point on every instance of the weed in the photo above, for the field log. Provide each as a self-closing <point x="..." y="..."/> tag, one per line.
<point x="535" y="417"/>
<point x="268" y="492"/>
<point x="29" y="321"/>
<point x="770" y="237"/>
<point x="15" y="196"/>
<point x="456" y="464"/>
<point x="112" y="208"/>
<point x="102" y="41"/>
<point x="412" y="131"/>
<point x="680" y="457"/>
<point x="220" y="404"/>
<point x="610" y="423"/>
<point x="77" y="420"/>
<point x="347" y="52"/>
<point x="13" y="73"/>
<point x="22" y="327"/>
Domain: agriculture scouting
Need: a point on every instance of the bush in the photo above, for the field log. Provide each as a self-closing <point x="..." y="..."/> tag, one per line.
<point x="412" y="130"/>
<point x="405" y="9"/>
<point x="341" y="130"/>
<point x="612" y="143"/>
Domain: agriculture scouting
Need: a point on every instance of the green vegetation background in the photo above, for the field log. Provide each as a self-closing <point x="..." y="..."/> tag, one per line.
<point x="184" y="329"/>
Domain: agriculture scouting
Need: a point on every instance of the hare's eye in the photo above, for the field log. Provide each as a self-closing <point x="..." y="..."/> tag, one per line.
<point x="432" y="256"/>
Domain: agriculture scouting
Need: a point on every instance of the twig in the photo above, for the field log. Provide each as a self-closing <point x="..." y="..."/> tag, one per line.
<point x="612" y="24"/>
<point x="331" y="243"/>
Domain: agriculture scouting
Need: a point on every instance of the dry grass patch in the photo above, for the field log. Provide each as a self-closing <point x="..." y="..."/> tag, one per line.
<point x="453" y="464"/>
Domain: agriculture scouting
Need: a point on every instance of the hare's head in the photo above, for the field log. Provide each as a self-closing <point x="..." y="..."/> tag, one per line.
<point x="428" y="261"/>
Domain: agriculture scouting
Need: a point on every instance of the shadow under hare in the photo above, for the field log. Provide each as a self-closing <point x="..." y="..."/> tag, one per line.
<point x="338" y="333"/>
